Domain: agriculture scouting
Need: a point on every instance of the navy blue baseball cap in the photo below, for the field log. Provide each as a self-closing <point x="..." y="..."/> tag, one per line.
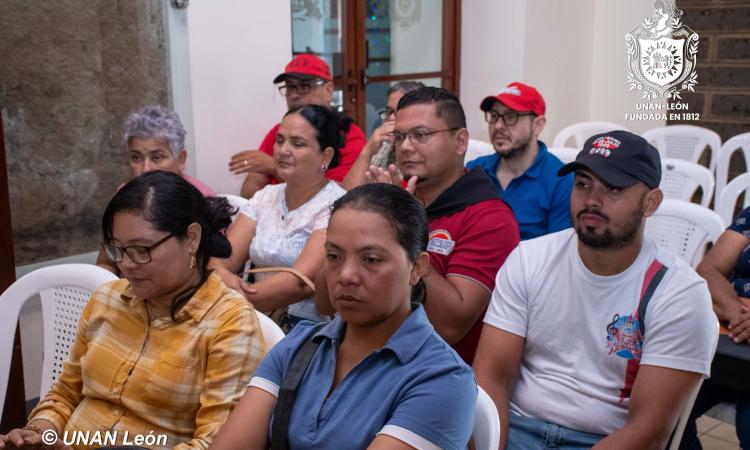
<point x="620" y="158"/>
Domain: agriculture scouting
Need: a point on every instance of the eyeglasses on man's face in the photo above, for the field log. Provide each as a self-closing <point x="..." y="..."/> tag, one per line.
<point x="509" y="118"/>
<point x="300" y="88"/>
<point x="387" y="113"/>
<point x="416" y="136"/>
<point x="140" y="254"/>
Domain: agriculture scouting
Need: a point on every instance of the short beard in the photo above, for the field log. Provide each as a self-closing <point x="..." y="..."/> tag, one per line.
<point x="517" y="152"/>
<point x="609" y="241"/>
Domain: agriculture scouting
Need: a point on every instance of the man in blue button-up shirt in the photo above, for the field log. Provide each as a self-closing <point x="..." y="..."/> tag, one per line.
<point x="523" y="171"/>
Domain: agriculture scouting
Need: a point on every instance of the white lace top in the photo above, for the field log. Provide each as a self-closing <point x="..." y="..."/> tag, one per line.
<point x="281" y="234"/>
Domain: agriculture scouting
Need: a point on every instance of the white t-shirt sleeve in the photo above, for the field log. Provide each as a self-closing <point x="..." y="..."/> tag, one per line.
<point x="682" y="331"/>
<point x="509" y="306"/>
<point x="251" y="207"/>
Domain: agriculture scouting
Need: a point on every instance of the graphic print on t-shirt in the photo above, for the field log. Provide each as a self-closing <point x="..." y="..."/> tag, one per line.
<point x="623" y="337"/>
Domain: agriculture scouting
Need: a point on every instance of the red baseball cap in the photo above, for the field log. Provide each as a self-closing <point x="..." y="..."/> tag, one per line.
<point x="519" y="97"/>
<point x="305" y="65"/>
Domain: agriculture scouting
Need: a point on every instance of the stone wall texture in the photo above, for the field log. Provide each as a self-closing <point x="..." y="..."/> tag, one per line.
<point x="722" y="95"/>
<point x="70" y="72"/>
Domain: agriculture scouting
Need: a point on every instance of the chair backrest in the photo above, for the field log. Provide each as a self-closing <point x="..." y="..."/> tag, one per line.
<point x="486" y="432"/>
<point x="564" y="154"/>
<point x="685" y="415"/>
<point x="729" y="195"/>
<point x="272" y="333"/>
<point x="476" y="149"/>
<point x="64" y="290"/>
<point x="680" y="180"/>
<point x="684" y="228"/>
<point x="740" y="142"/>
<point x="685" y="142"/>
<point x="579" y="132"/>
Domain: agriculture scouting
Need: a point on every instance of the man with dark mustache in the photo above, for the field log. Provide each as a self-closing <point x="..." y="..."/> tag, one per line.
<point x="597" y="336"/>
<point x="522" y="170"/>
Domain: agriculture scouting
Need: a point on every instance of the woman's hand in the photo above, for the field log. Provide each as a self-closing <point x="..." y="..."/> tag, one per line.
<point x="26" y="438"/>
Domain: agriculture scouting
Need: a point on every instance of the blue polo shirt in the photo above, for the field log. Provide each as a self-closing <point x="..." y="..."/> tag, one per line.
<point x="415" y="388"/>
<point x="539" y="198"/>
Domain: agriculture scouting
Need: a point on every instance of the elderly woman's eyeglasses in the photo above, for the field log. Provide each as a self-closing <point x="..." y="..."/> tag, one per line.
<point x="509" y="118"/>
<point x="417" y="136"/>
<point x="300" y="88"/>
<point x="140" y="254"/>
<point x="386" y="114"/>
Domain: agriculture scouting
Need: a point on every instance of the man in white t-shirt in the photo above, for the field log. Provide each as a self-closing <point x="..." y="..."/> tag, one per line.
<point x="596" y="336"/>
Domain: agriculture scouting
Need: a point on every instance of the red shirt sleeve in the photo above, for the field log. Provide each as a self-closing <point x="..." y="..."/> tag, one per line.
<point x="487" y="237"/>
<point x="355" y="141"/>
<point x="268" y="142"/>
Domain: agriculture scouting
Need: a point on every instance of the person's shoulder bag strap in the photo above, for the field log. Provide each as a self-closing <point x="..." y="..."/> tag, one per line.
<point x="654" y="274"/>
<point x="288" y="390"/>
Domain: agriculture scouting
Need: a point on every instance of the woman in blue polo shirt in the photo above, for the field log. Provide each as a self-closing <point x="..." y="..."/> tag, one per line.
<point x="380" y="376"/>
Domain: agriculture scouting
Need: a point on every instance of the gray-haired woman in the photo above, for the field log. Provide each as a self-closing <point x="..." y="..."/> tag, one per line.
<point x="155" y="138"/>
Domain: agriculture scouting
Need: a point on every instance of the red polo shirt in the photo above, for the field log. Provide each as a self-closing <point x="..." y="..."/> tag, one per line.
<point x="355" y="141"/>
<point x="472" y="231"/>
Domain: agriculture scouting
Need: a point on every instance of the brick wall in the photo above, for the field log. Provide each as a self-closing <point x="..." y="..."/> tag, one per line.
<point x="722" y="95"/>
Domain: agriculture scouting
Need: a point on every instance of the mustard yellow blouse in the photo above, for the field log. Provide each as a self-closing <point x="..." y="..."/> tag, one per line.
<point x="175" y="378"/>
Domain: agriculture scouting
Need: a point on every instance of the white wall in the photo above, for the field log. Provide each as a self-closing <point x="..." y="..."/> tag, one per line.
<point x="493" y="42"/>
<point x="572" y="51"/>
<point x="237" y="47"/>
<point x="610" y="98"/>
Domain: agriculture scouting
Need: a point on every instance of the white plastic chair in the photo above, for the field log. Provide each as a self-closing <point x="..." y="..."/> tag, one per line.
<point x="564" y="154"/>
<point x="680" y="179"/>
<point x="679" y="430"/>
<point x="579" y="132"/>
<point x="729" y="195"/>
<point x="64" y="289"/>
<point x="486" y="432"/>
<point x="684" y="228"/>
<point x="476" y="149"/>
<point x="740" y="142"/>
<point x="685" y="142"/>
<point x="272" y="333"/>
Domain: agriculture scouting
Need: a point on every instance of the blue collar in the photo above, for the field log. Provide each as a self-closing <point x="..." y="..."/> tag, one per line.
<point x="404" y="343"/>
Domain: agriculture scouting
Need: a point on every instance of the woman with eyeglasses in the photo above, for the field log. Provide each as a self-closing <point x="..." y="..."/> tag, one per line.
<point x="166" y="351"/>
<point x="379" y="149"/>
<point x="283" y="225"/>
<point x="155" y="140"/>
<point x="378" y="376"/>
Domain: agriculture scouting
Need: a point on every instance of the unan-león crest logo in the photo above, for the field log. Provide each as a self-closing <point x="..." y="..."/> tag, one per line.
<point x="662" y="53"/>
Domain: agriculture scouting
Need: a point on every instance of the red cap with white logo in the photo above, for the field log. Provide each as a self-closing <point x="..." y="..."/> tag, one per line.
<point x="518" y="97"/>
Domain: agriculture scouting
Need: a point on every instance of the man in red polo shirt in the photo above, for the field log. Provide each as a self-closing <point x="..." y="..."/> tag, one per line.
<point x="472" y="230"/>
<point x="307" y="80"/>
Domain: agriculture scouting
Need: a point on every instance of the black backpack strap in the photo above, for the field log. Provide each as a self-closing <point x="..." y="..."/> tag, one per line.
<point x="288" y="390"/>
<point x="654" y="275"/>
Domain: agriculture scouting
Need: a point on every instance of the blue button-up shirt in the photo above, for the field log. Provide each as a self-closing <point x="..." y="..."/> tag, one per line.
<point x="414" y="388"/>
<point x="539" y="198"/>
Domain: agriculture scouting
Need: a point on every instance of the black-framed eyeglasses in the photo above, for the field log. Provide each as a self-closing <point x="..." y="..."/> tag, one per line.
<point x="510" y="118"/>
<point x="140" y="254"/>
<point x="417" y="136"/>
<point x="386" y="114"/>
<point x="300" y="88"/>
